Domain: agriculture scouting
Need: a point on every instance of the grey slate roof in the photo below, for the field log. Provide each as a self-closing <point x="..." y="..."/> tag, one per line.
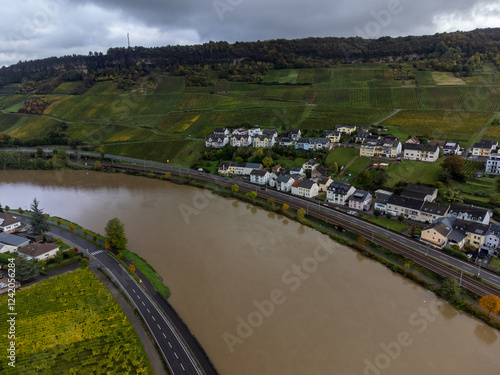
<point x="360" y="196"/>
<point x="13" y="240"/>
<point x="435" y="208"/>
<point x="410" y="203"/>
<point x="339" y="188"/>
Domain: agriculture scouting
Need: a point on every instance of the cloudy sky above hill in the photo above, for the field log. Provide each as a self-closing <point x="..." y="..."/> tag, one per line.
<point x="34" y="29"/>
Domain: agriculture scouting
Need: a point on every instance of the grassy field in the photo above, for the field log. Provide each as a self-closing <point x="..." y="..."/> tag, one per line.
<point x="392" y="224"/>
<point x="342" y="156"/>
<point x="414" y="172"/>
<point x="71" y="324"/>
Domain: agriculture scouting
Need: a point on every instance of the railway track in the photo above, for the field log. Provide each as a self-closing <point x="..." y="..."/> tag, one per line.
<point x="433" y="264"/>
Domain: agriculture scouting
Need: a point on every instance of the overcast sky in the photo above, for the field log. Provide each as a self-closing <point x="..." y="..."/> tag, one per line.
<point x="34" y="29"/>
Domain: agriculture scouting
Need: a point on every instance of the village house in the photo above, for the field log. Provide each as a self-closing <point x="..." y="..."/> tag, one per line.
<point x="381" y="198"/>
<point x="216" y="140"/>
<point x="284" y="182"/>
<point x="285" y="141"/>
<point x="319" y="172"/>
<point x="470" y="213"/>
<point x="408" y="207"/>
<point x="493" y="164"/>
<point x="10" y="243"/>
<point x="240" y="131"/>
<point x="245" y="169"/>
<point x="430" y="211"/>
<point x="492" y="238"/>
<point x="412" y="140"/>
<point x="259" y="176"/>
<point x="221" y="131"/>
<point x="294" y="134"/>
<point x="333" y="136"/>
<point x="387" y="148"/>
<point x="346" y="129"/>
<point x="484" y="148"/>
<point x="39" y="251"/>
<point x="240" y="140"/>
<point x="421" y="192"/>
<point x="224" y="167"/>
<point x="323" y="182"/>
<point x="451" y="148"/>
<point x="9" y="223"/>
<point x="264" y="141"/>
<point x="310" y="164"/>
<point x="305" y="188"/>
<point x="254" y="131"/>
<point x="475" y="232"/>
<point x="421" y="152"/>
<point x="297" y="170"/>
<point x="361" y="136"/>
<point x="339" y="192"/>
<point x="360" y="200"/>
<point x="437" y="233"/>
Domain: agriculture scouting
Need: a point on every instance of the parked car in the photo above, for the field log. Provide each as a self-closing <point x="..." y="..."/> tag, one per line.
<point x="325" y="204"/>
<point x="415" y="236"/>
<point x="481" y="255"/>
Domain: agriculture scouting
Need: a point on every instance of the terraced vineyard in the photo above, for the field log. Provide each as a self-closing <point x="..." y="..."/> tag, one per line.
<point x="163" y="109"/>
<point x="70" y="324"/>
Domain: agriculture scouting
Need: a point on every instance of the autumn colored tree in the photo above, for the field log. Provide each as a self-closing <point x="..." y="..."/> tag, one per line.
<point x="71" y="226"/>
<point x="301" y="212"/>
<point x="490" y="303"/>
<point x="235" y="188"/>
<point x="59" y="222"/>
<point x="285" y="207"/>
<point x="132" y="268"/>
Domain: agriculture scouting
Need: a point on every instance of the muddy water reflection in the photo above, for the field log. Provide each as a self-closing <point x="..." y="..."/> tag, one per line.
<point x="265" y="295"/>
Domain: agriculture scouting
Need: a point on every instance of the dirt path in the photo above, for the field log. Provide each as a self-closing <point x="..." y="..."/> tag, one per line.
<point x="392" y="114"/>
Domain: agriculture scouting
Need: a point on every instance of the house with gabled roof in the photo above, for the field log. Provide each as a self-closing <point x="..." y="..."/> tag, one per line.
<point x="294" y="134"/>
<point x="285" y="141"/>
<point x="9" y="223"/>
<point x="221" y="131"/>
<point x="339" y="192"/>
<point x="421" y="192"/>
<point x="361" y="136"/>
<point x="305" y="188"/>
<point x="346" y="129"/>
<point x="264" y="141"/>
<point x="475" y="232"/>
<point x="310" y="164"/>
<point x="451" y="148"/>
<point x="484" y="148"/>
<point x="381" y="198"/>
<point x="492" y="238"/>
<point x="412" y="140"/>
<point x="241" y="140"/>
<point x="323" y="182"/>
<point x="421" y="152"/>
<point x="39" y="251"/>
<point x="333" y="135"/>
<point x="11" y="243"/>
<point x="284" y="182"/>
<point x="470" y="213"/>
<point x="297" y="170"/>
<point x="408" y="207"/>
<point x="430" y="211"/>
<point x="438" y="233"/>
<point x="259" y="176"/>
<point x="216" y="140"/>
<point x="493" y="164"/>
<point x="360" y="200"/>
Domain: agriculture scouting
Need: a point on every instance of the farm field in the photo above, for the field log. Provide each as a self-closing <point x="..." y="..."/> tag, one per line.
<point x="71" y="324"/>
<point x="342" y="156"/>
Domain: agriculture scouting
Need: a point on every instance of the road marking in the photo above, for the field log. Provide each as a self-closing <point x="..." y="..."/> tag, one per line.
<point x="148" y="310"/>
<point x="143" y="303"/>
<point x="183" y="369"/>
<point x="158" y="325"/>
<point x="176" y="356"/>
<point x="153" y="318"/>
<point x="169" y="344"/>
<point x="133" y="290"/>
<point x="164" y="335"/>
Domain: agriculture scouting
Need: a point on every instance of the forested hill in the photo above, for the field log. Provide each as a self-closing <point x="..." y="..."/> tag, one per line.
<point x="458" y="52"/>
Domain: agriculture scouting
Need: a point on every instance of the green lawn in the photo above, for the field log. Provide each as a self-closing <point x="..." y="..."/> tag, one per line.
<point x="414" y="172"/>
<point x="393" y="224"/>
<point x="342" y="156"/>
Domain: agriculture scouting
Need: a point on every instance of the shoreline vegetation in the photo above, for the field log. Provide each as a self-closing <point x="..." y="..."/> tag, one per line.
<point x="461" y="299"/>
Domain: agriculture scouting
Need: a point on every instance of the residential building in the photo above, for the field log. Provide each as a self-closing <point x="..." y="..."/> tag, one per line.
<point x="421" y="192"/>
<point x="360" y="200"/>
<point x="412" y="140"/>
<point x="339" y="192"/>
<point x="319" y="172"/>
<point x="451" y="148"/>
<point x="305" y="188"/>
<point x="310" y="164"/>
<point x="470" y="213"/>
<point x="240" y="131"/>
<point x="493" y="164"/>
<point x="421" y="152"/>
<point x="361" y="136"/>
<point x="9" y="223"/>
<point x="323" y="182"/>
<point x="264" y="141"/>
<point x="320" y="144"/>
<point x="408" y="207"/>
<point x="241" y="140"/>
<point x="492" y="238"/>
<point x="381" y="198"/>
<point x="272" y="133"/>
<point x="254" y="131"/>
<point x="39" y="251"/>
<point x="246" y="169"/>
<point x="216" y="140"/>
<point x="224" y="167"/>
<point x="475" y="232"/>
<point x="346" y="129"/>
<point x="437" y="233"/>
<point x="302" y="144"/>
<point x="297" y="170"/>
<point x="430" y="211"/>
<point x="221" y="131"/>
<point x="484" y="148"/>
<point x="285" y="141"/>
<point x="294" y="134"/>
<point x="284" y="182"/>
<point x="386" y="147"/>
<point x="333" y="136"/>
<point x="10" y="243"/>
<point x="259" y="176"/>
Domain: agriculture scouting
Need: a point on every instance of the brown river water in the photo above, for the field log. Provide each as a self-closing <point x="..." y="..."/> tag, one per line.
<point x="265" y="295"/>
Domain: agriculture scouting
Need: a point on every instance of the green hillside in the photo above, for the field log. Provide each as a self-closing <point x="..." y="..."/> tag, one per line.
<point x="162" y="118"/>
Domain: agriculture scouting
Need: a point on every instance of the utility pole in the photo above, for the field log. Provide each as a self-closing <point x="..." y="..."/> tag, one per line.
<point x="128" y="39"/>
